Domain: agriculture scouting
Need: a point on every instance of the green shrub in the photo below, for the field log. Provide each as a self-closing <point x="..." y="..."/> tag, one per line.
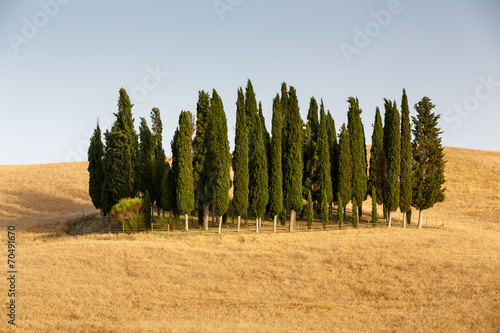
<point x="130" y="213"/>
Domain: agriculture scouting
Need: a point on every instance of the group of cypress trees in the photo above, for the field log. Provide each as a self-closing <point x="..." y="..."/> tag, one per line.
<point x="123" y="167"/>
<point x="272" y="173"/>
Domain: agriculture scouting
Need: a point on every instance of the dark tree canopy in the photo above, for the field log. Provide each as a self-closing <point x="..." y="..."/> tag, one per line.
<point x="358" y="150"/>
<point x="258" y="191"/>
<point x="406" y="157"/>
<point x="377" y="158"/>
<point x="334" y="154"/>
<point x="324" y="159"/>
<point x="184" y="180"/>
<point x="223" y="156"/>
<point x="428" y="156"/>
<point x="276" y="179"/>
<point x="146" y="159"/>
<point x="240" y="158"/>
<point x="96" y="167"/>
<point x="392" y="145"/>
<point x="345" y="167"/>
<point x="293" y="155"/>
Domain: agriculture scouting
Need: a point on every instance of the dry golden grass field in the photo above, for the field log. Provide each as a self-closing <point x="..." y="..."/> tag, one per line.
<point x="365" y="280"/>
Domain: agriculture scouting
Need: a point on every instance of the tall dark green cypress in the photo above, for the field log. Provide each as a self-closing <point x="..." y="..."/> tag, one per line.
<point x="392" y="146"/>
<point x="345" y="168"/>
<point x="146" y="159"/>
<point x="358" y="152"/>
<point x="334" y="154"/>
<point x="160" y="158"/>
<point x="185" y="181"/>
<point x="251" y="111"/>
<point x="120" y="156"/>
<point x="428" y="155"/>
<point x="310" y="176"/>
<point x="240" y="160"/>
<point x="96" y="168"/>
<point x="169" y="197"/>
<point x="406" y="159"/>
<point x="293" y="158"/>
<point x="223" y="157"/>
<point x="325" y="178"/>
<point x="276" y="179"/>
<point x="258" y="188"/>
<point x="128" y="140"/>
<point x="377" y="175"/>
<point x="284" y="140"/>
<point x="112" y="191"/>
<point x="204" y="158"/>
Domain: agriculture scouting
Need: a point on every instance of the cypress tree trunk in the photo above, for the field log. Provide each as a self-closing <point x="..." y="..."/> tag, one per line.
<point x="404" y="220"/>
<point x="257" y="225"/>
<point x="186" y="220"/>
<point x="389" y="217"/>
<point x="292" y="219"/>
<point x="420" y="219"/>
<point x="360" y="211"/>
<point x="205" y="218"/>
<point x="220" y="224"/>
<point x="274" y="222"/>
<point x="213" y="213"/>
<point x="239" y="223"/>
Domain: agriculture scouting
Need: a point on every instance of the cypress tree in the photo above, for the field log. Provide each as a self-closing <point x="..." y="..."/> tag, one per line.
<point x="354" y="213"/>
<point x="184" y="180"/>
<point x="374" y="206"/>
<point x="276" y="178"/>
<point x="168" y="200"/>
<point x="128" y="142"/>
<point x="112" y="187"/>
<point x="170" y="190"/>
<point x="340" y="211"/>
<point x="377" y="158"/>
<point x="146" y="159"/>
<point x="310" y="178"/>
<point x="406" y="159"/>
<point x="345" y="168"/>
<point x="251" y="111"/>
<point x="428" y="168"/>
<point x="310" y="210"/>
<point x="204" y="158"/>
<point x="160" y="158"/>
<point x="284" y="140"/>
<point x="392" y="145"/>
<point x="223" y="157"/>
<point x="334" y="154"/>
<point x="240" y="159"/>
<point x="267" y="145"/>
<point x="258" y="191"/>
<point x="325" y="178"/>
<point x="96" y="168"/>
<point x="358" y="152"/>
<point x="293" y="158"/>
<point x="147" y="210"/>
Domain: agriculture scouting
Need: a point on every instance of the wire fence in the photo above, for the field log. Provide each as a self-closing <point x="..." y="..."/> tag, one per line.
<point x="94" y="224"/>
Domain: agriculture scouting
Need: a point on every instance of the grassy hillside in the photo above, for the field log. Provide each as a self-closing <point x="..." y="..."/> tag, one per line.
<point x="355" y="280"/>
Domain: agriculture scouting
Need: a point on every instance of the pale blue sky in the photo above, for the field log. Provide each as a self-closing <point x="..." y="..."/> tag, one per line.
<point x="62" y="63"/>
